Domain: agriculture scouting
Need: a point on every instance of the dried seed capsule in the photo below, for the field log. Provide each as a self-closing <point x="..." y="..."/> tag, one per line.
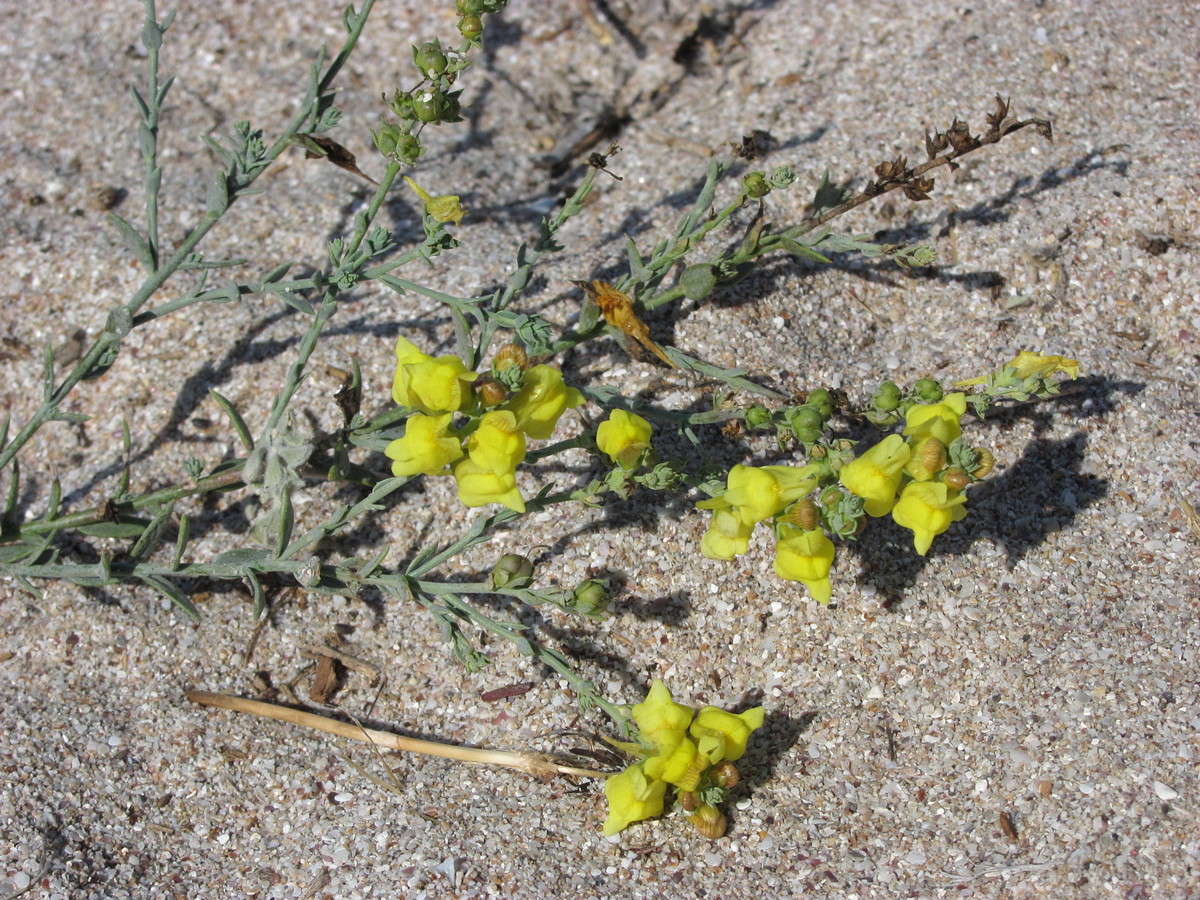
<point x="689" y="801"/>
<point x="510" y="355"/>
<point x="491" y="392"/>
<point x="956" y="479"/>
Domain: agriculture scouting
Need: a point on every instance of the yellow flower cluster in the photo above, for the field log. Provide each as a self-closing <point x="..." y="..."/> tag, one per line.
<point x="485" y="463"/>
<point x="682" y="748"/>
<point x="897" y="475"/>
<point x="755" y="494"/>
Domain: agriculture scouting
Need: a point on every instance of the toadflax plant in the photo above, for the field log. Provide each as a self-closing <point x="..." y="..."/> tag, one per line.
<point x="482" y="413"/>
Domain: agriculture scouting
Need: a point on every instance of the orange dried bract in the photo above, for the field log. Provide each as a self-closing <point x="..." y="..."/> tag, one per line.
<point x="617" y="309"/>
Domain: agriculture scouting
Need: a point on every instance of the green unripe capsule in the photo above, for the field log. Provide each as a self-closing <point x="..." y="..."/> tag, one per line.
<point x="886" y="397"/>
<point x="591" y="598"/>
<point x="511" y="571"/>
<point x="822" y="400"/>
<point x="758" y="416"/>
<point x="698" y="281"/>
<point x="807" y="422"/>
<point x="430" y="59"/>
<point x="427" y="104"/>
<point x="470" y="27"/>
<point x="928" y="390"/>
<point x="755" y="186"/>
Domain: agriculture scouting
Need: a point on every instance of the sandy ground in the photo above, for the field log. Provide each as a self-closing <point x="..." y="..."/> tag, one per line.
<point x="1038" y="666"/>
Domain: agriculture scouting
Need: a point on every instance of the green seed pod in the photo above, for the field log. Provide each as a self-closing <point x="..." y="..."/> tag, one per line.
<point x="758" y="416"/>
<point x="807" y="422"/>
<point x="430" y="59"/>
<point x="427" y="104"/>
<point x="386" y="138"/>
<point x="591" y="598"/>
<point x="698" y="281"/>
<point x="822" y="400"/>
<point x="408" y="148"/>
<point x="511" y="571"/>
<point x="470" y="27"/>
<point x="927" y="390"/>
<point x="886" y="397"/>
<point x="755" y="186"/>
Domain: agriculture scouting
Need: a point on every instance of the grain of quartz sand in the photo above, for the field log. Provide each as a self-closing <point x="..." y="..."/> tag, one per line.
<point x="1014" y="716"/>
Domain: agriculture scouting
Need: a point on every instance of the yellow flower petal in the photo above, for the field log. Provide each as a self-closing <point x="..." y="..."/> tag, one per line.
<point x="875" y="476"/>
<point x="731" y="730"/>
<point x="541" y="401"/>
<point x="632" y="796"/>
<point x="805" y="556"/>
<point x="928" y="508"/>
<point x="426" y="448"/>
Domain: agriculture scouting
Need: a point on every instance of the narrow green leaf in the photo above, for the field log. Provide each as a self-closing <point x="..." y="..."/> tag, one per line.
<point x="162" y="91"/>
<point x="217" y="200"/>
<point x="257" y="594"/>
<point x="801" y="250"/>
<point x="48" y="382"/>
<point x="14" y="553"/>
<point x="133" y="240"/>
<point x="219" y="150"/>
<point x="244" y="557"/>
<point x="287" y="522"/>
<point x="152" y="536"/>
<point x="277" y="273"/>
<point x="298" y="303"/>
<point x="9" y="518"/>
<point x="55" y="499"/>
<point x="4" y="432"/>
<point x="143" y="109"/>
<point x="126" y="445"/>
<point x="125" y="527"/>
<point x="239" y="424"/>
<point x="180" y="542"/>
<point x="172" y="593"/>
<point x="637" y="269"/>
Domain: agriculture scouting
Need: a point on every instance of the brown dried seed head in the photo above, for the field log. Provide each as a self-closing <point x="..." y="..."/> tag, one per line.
<point x="956" y="479"/>
<point x="491" y="393"/>
<point x="725" y="774"/>
<point x="689" y="801"/>
<point x="511" y="355"/>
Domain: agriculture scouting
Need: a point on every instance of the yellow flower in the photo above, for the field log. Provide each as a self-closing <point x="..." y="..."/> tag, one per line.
<point x="658" y="715"/>
<point x="727" y="536"/>
<point x="1027" y="364"/>
<point x="478" y="485"/>
<point x="426" y="448"/>
<point x="875" y="476"/>
<point x="497" y="444"/>
<point x="941" y="419"/>
<point x="429" y="385"/>
<point x="623" y="436"/>
<point x="445" y="208"/>
<point x="722" y="735"/>
<point x="805" y="556"/>
<point x="676" y="761"/>
<point x="542" y="400"/>
<point x="928" y="508"/>
<point x="632" y="796"/>
<point x="757" y="493"/>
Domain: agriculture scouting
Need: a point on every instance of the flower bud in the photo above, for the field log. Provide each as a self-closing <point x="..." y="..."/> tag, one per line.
<point x="490" y="392"/>
<point x="725" y="774"/>
<point x="709" y="821"/>
<point x="511" y="571"/>
<point x="755" y="186"/>
<point x="927" y="390"/>
<point x="698" y="281"/>
<point x="956" y="479"/>
<point x="591" y="598"/>
<point x="803" y="514"/>
<point x="508" y="356"/>
<point x="987" y="462"/>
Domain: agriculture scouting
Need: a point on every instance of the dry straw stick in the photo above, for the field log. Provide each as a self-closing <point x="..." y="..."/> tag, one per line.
<point x="539" y="764"/>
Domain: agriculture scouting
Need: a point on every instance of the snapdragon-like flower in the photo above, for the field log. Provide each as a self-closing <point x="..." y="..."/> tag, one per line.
<point x="658" y="715"/>
<point x="722" y="735"/>
<point x="875" y="476"/>
<point x="680" y="748"/>
<point x="805" y="556"/>
<point x="479" y="485"/>
<point x="430" y="385"/>
<point x="623" y="437"/>
<point x="542" y="400"/>
<point x="1027" y="364"/>
<point x="426" y="448"/>
<point x="445" y="208"/>
<point x="756" y="493"/>
<point x="928" y="508"/>
<point x="940" y="420"/>
<point x="497" y="444"/>
<point x="727" y="536"/>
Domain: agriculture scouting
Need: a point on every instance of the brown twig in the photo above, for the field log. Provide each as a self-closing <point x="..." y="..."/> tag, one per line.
<point x="538" y="764"/>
